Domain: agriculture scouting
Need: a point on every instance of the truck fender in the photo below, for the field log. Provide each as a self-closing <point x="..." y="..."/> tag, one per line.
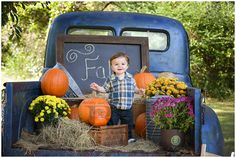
<point x="211" y="131"/>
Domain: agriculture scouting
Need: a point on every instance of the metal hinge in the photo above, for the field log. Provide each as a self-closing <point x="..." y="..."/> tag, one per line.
<point x="204" y="95"/>
<point x="4" y="97"/>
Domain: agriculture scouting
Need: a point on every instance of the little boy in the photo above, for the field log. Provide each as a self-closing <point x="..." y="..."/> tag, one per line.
<point x="121" y="87"/>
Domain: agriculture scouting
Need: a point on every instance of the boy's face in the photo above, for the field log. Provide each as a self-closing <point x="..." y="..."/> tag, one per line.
<point x="119" y="65"/>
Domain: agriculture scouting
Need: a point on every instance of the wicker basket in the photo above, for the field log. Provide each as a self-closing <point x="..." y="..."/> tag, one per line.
<point x="110" y="135"/>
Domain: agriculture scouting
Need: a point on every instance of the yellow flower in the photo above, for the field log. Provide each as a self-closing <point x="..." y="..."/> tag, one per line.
<point x="168" y="92"/>
<point x="36" y="119"/>
<point x="56" y="115"/>
<point x="64" y="113"/>
<point x="181" y="85"/>
<point x="182" y="92"/>
<point x="41" y="114"/>
<point x="45" y="105"/>
<point x="163" y="88"/>
<point x="154" y="92"/>
<point x="42" y="119"/>
<point x="157" y="85"/>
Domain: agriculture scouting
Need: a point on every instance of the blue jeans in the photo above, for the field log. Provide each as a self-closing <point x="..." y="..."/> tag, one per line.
<point x="125" y="116"/>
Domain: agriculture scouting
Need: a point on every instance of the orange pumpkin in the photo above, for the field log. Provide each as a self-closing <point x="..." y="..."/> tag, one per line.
<point x="95" y="111"/>
<point x="140" y="125"/>
<point x="142" y="78"/>
<point x="74" y="114"/>
<point x="55" y="82"/>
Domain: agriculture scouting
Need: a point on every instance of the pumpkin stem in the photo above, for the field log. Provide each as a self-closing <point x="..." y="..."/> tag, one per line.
<point x="143" y="69"/>
<point x="94" y="94"/>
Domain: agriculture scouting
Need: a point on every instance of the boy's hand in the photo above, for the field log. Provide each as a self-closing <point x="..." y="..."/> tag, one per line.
<point x="140" y="91"/>
<point x="96" y="87"/>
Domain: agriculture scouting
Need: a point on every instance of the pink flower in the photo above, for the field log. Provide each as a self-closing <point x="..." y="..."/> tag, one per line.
<point x="169" y="115"/>
<point x="190" y="113"/>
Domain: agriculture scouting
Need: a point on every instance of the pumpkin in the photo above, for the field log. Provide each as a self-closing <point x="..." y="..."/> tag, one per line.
<point x="142" y="78"/>
<point x="140" y="125"/>
<point x="55" y="82"/>
<point x="95" y="111"/>
<point x="74" y="114"/>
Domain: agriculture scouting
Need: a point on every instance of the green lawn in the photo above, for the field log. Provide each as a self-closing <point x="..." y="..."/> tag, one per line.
<point x="225" y="112"/>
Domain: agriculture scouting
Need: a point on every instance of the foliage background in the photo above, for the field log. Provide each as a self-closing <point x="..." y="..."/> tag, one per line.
<point x="210" y="27"/>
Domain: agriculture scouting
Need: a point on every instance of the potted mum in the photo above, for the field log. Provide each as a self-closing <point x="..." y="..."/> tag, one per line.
<point x="163" y="86"/>
<point x="174" y="116"/>
<point x="48" y="109"/>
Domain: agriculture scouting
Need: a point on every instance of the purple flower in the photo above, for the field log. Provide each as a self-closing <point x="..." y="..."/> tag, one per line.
<point x="169" y="115"/>
<point x="173" y="109"/>
<point x="191" y="114"/>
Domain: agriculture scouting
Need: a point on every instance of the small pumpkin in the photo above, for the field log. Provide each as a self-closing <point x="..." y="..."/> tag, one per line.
<point x="74" y="114"/>
<point x="95" y="111"/>
<point x="143" y="78"/>
<point x="140" y="125"/>
<point x="55" y="82"/>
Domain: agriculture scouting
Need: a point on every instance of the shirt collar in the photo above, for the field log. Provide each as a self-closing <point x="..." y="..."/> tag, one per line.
<point x="127" y="75"/>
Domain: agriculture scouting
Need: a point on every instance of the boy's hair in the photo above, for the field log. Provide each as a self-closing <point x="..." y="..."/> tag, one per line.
<point x="120" y="54"/>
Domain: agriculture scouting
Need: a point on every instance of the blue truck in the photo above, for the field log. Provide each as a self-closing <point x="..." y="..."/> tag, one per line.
<point x="167" y="51"/>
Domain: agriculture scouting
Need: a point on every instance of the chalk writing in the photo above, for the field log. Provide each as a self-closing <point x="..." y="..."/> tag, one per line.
<point x="87" y="67"/>
<point x="72" y="54"/>
<point x="84" y="55"/>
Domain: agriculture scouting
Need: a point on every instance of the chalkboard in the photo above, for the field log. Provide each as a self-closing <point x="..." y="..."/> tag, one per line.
<point x="86" y="58"/>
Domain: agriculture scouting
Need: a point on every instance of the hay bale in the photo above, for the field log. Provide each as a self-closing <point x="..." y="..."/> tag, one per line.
<point x="68" y="133"/>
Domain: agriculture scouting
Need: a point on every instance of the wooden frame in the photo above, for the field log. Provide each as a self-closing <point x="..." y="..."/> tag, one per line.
<point x="142" y="41"/>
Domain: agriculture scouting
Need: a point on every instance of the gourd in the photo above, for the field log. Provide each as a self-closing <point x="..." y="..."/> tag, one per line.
<point x="140" y="125"/>
<point x="55" y="82"/>
<point x="142" y="78"/>
<point x="95" y="111"/>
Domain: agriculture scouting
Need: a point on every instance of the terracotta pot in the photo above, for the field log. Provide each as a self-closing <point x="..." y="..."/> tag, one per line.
<point x="172" y="139"/>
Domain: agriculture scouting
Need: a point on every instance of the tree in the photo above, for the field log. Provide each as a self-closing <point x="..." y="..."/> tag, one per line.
<point x="10" y="13"/>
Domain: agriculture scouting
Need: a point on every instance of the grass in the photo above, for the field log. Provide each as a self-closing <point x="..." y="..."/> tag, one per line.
<point x="225" y="112"/>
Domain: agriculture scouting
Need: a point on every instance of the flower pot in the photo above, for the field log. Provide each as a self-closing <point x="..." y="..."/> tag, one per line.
<point x="172" y="139"/>
<point x="153" y="132"/>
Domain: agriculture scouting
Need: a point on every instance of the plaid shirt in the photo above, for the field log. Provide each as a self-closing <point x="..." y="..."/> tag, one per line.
<point x="121" y="92"/>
